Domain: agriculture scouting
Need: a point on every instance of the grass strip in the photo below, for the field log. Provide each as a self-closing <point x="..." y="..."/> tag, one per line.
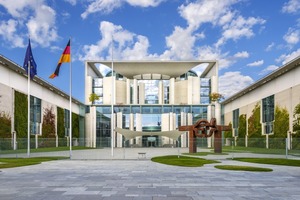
<point x="271" y="161"/>
<point x="204" y="154"/>
<point x="243" y="168"/>
<point x="183" y="161"/>
<point x="20" y="162"/>
<point x="45" y="149"/>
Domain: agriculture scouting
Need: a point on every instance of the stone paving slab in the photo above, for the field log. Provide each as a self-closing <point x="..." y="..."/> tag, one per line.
<point x="145" y="180"/>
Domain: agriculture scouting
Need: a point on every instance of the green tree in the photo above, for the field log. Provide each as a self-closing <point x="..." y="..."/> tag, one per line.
<point x="254" y="125"/>
<point x="60" y="122"/>
<point x="93" y="97"/>
<point x="296" y="122"/>
<point x="228" y="134"/>
<point x="5" y="128"/>
<point x="48" y="129"/>
<point x="242" y="125"/>
<point x="242" y="130"/>
<point x="75" y="125"/>
<point x="281" y="124"/>
<point x="21" y="114"/>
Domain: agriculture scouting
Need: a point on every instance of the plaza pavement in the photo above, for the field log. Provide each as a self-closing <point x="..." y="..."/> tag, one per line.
<point x="142" y="179"/>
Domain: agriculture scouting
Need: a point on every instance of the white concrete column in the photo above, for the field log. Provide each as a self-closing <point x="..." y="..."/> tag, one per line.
<point x="209" y="115"/>
<point x="88" y="89"/>
<point x="183" y="123"/>
<point x="128" y="91"/>
<point x="165" y="126"/>
<point x="172" y="91"/>
<point x="160" y="93"/>
<point x="135" y="91"/>
<point x="141" y="93"/>
<point x="190" y="87"/>
<point x="119" y="125"/>
<point x="131" y="125"/>
<point x="138" y="118"/>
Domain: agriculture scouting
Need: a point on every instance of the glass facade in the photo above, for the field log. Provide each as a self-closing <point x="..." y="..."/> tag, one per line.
<point x="268" y="114"/>
<point x="98" y="90"/>
<point x="235" y="122"/>
<point x="67" y="122"/>
<point x="150" y="117"/>
<point x="35" y="115"/>
<point x="151" y="105"/>
<point x="205" y="85"/>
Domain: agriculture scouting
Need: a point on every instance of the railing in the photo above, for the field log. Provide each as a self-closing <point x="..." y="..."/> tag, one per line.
<point x="87" y="148"/>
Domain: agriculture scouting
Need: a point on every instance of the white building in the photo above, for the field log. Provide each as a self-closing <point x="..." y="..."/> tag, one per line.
<point x="45" y="99"/>
<point x="147" y="96"/>
<point x="275" y="98"/>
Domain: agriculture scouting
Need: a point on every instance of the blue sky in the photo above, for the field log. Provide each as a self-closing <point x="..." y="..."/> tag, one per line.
<point x="250" y="38"/>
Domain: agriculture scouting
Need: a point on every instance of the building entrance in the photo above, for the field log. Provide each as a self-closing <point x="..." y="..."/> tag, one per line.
<point x="149" y="141"/>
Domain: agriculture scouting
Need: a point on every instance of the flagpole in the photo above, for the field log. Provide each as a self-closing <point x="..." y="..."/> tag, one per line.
<point x="70" y="128"/>
<point x="28" y="108"/>
<point x="112" y="98"/>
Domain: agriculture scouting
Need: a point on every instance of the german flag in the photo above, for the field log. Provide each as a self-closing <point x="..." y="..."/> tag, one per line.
<point x="65" y="57"/>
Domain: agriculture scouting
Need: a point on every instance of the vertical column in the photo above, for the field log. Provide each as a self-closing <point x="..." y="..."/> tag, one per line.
<point x="131" y="125"/>
<point x="135" y="91"/>
<point x="190" y="90"/>
<point x="128" y="91"/>
<point x="165" y="126"/>
<point x="88" y="89"/>
<point x="160" y="93"/>
<point x="138" y="118"/>
<point x="119" y="137"/>
<point x="172" y="91"/>
<point x="209" y="116"/>
<point x="189" y="122"/>
<point x="141" y="93"/>
<point x="183" y="123"/>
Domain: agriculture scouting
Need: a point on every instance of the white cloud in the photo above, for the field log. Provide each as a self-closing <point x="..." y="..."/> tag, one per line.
<point x="292" y="6"/>
<point x="285" y="58"/>
<point x="270" y="46"/>
<point x="256" y="63"/>
<point x="107" y="6"/>
<point x="292" y="37"/>
<point x="126" y="46"/>
<point x="180" y="44"/>
<point x="269" y="69"/>
<point x="18" y="10"/>
<point x="243" y="54"/>
<point x="144" y="3"/>
<point x="238" y="28"/>
<point x="36" y="16"/>
<point x="8" y="30"/>
<point x="72" y="2"/>
<point x="41" y="27"/>
<point x="232" y="82"/>
<point x="206" y="11"/>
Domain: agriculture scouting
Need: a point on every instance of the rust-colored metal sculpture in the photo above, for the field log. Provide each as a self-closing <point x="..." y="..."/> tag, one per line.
<point x="203" y="128"/>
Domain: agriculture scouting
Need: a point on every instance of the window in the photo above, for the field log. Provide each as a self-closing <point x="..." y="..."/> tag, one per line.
<point x="35" y="115"/>
<point x="204" y="90"/>
<point x="268" y="114"/>
<point x="67" y="122"/>
<point x="98" y="89"/>
<point x="235" y="122"/>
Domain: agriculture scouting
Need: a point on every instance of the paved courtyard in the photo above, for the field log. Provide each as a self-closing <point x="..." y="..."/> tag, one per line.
<point x="143" y="179"/>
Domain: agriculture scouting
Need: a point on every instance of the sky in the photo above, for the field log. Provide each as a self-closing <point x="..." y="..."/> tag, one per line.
<point x="249" y="38"/>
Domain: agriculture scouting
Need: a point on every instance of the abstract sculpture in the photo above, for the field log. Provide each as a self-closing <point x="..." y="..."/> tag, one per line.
<point x="203" y="128"/>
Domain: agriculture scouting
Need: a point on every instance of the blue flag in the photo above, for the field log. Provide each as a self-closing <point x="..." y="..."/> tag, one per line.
<point x="29" y="60"/>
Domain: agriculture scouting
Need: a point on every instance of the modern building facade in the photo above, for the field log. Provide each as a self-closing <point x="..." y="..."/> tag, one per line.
<point x="49" y="109"/>
<point x="147" y="96"/>
<point x="269" y="108"/>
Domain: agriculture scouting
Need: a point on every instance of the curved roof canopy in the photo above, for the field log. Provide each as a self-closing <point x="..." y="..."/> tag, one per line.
<point x="128" y="134"/>
<point x="131" y="69"/>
